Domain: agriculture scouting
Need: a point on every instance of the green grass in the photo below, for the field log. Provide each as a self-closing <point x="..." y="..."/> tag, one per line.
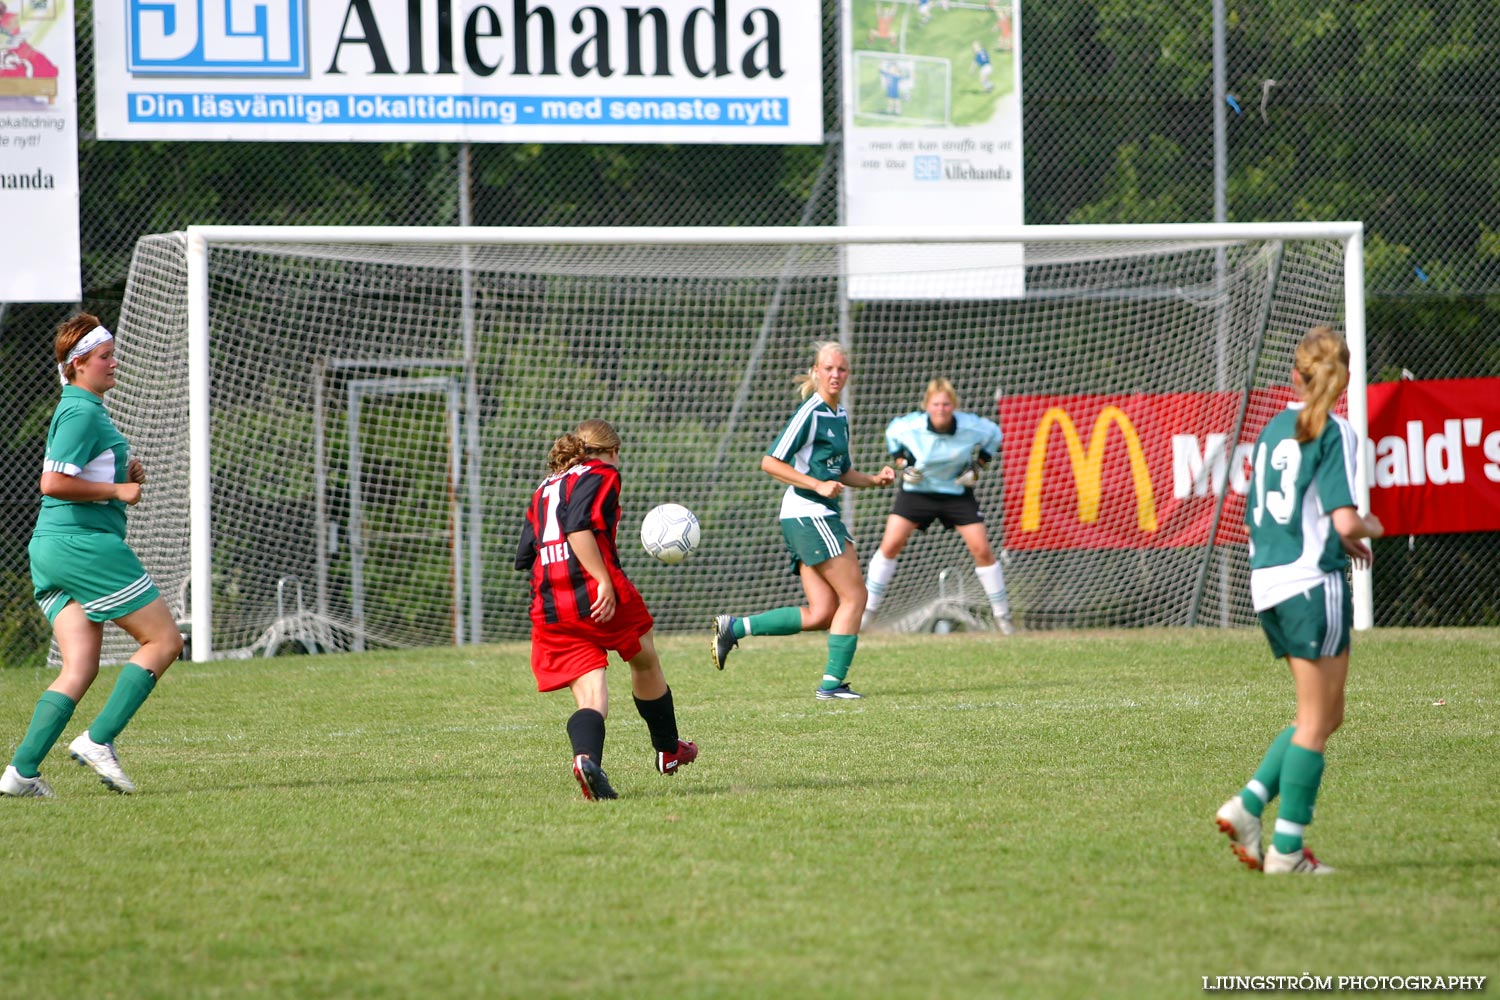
<point x="1027" y="817"/>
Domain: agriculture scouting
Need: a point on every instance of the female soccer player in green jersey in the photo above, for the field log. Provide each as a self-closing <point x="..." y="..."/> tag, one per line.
<point x="83" y="573"/>
<point x="811" y="456"/>
<point x="1304" y="529"/>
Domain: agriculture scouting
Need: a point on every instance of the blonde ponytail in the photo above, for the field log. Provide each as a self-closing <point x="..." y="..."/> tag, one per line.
<point x="1322" y="359"/>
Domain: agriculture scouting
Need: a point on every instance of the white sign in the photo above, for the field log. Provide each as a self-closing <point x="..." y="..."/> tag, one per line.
<point x="39" y="256"/>
<point x="682" y="71"/>
<point x="932" y="137"/>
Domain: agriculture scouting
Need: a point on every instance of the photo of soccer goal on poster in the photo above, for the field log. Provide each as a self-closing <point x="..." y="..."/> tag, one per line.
<point x="932" y="133"/>
<point x="931" y="62"/>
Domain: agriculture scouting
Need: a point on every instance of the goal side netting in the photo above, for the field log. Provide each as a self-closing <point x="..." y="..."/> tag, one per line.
<point x="341" y="457"/>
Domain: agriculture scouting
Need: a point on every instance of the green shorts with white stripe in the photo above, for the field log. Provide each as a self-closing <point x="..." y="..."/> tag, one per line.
<point x="96" y="569"/>
<point x="1312" y="625"/>
<point x="813" y="540"/>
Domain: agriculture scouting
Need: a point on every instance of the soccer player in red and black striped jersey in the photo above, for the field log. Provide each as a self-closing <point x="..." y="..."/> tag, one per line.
<point x="583" y="606"/>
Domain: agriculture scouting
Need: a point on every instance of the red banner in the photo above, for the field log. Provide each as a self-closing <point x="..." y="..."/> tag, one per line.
<point x="1138" y="471"/>
<point x="1436" y="448"/>
<point x="1144" y="471"/>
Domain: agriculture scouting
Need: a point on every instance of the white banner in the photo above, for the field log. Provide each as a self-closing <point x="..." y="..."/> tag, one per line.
<point x="39" y="256"/>
<point x="932" y="137"/>
<point x="681" y="71"/>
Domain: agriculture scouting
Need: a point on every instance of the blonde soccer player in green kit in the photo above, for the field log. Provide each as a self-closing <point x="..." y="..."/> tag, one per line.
<point x="811" y="455"/>
<point x="1304" y="530"/>
<point x="82" y="572"/>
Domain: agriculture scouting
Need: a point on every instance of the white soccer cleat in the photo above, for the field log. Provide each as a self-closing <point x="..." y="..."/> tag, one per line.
<point x="1243" y="831"/>
<point x="101" y="757"/>
<point x="11" y="783"/>
<point x="1006" y="624"/>
<point x="1298" y="862"/>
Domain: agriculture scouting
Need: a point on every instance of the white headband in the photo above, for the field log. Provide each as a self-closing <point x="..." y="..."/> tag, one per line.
<point x="94" y="338"/>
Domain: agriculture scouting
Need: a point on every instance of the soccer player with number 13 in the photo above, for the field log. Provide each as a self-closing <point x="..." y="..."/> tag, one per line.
<point x="1304" y="530"/>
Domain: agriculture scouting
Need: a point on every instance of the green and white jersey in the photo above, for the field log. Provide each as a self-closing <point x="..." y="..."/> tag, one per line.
<point x="82" y="441"/>
<point x="1293" y="493"/>
<point x="815" y="441"/>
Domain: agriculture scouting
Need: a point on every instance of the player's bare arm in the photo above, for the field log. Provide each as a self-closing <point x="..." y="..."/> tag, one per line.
<point x="784" y="473"/>
<point x="586" y="548"/>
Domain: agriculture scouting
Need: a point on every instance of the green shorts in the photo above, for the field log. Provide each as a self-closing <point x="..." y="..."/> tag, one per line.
<point x="813" y="540"/>
<point x="96" y="569"/>
<point x="1312" y="625"/>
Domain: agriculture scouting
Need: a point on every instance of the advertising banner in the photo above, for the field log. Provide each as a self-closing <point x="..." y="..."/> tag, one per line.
<point x="932" y="137"/>
<point x="681" y="71"/>
<point x="1127" y="472"/>
<point x="39" y="254"/>
<point x="1434" y="452"/>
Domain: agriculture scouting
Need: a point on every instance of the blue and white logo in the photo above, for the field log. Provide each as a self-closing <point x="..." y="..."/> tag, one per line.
<point x="927" y="168"/>
<point x="216" y="37"/>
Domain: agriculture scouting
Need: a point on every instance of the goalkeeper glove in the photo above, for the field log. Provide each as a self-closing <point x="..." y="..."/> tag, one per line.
<point x="910" y="474"/>
<point x="977" y="459"/>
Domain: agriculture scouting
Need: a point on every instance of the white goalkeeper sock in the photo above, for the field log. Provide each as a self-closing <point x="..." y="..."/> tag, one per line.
<point x="877" y="578"/>
<point x="992" y="579"/>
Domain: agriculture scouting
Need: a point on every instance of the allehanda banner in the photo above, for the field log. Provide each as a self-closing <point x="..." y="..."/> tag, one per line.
<point x="680" y="71"/>
<point x="1147" y="470"/>
<point x="39" y="257"/>
<point x="932" y="137"/>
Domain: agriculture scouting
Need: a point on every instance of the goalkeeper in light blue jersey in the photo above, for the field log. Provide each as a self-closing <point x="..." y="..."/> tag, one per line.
<point x="940" y="451"/>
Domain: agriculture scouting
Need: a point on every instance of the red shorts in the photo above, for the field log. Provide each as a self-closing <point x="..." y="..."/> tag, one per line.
<point x="562" y="652"/>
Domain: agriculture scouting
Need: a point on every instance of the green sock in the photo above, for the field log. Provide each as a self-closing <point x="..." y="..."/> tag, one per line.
<point x="131" y="690"/>
<point x="840" y="655"/>
<point x="1301" y="773"/>
<point x="778" y="621"/>
<point x="1267" y="780"/>
<point x="51" y="717"/>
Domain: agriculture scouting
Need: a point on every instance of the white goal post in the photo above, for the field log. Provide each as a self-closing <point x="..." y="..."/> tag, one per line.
<point x="367" y="409"/>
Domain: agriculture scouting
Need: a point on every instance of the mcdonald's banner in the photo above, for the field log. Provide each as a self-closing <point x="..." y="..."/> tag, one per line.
<point x="1127" y="472"/>
<point x="1434" y="451"/>
<point x="1143" y="471"/>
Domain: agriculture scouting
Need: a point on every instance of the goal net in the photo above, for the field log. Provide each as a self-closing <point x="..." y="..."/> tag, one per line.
<point x="343" y="427"/>
<point x="902" y="88"/>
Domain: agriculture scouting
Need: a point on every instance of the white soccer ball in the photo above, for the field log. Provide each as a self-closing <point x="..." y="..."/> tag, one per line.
<point x="670" y="533"/>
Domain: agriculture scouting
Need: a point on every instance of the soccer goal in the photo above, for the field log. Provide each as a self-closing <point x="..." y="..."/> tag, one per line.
<point x="343" y="426"/>
<point x="924" y="88"/>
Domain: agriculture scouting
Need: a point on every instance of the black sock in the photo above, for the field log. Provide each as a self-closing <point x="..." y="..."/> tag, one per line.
<point x="586" y="732"/>
<point x="661" y="720"/>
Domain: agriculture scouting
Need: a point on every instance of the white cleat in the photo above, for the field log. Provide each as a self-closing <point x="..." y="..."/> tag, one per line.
<point x="1007" y="625"/>
<point x="101" y="757"/>
<point x="11" y="783"/>
<point x="1243" y="831"/>
<point x="1298" y="862"/>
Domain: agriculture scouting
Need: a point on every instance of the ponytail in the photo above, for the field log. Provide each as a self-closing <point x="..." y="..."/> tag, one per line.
<point x="1322" y="359"/>
<point x="592" y="437"/>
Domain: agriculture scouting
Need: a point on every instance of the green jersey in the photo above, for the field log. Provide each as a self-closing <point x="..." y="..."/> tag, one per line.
<point x="82" y="441"/>
<point x="815" y="441"/>
<point x="1294" y="491"/>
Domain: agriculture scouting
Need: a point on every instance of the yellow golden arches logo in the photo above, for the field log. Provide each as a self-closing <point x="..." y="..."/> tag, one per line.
<point x="1087" y="467"/>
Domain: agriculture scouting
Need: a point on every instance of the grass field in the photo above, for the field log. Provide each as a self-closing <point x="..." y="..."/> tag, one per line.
<point x="1029" y="817"/>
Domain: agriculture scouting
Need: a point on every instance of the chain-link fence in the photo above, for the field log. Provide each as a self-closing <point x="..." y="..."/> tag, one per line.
<point x="1384" y="111"/>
